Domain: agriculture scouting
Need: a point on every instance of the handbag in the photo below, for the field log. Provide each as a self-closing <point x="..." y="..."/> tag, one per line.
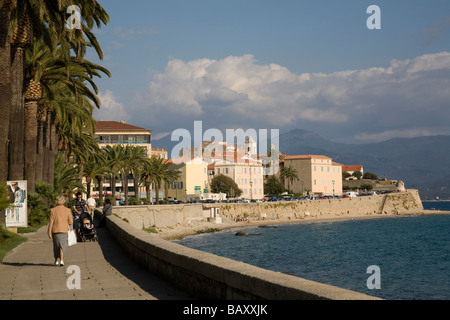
<point x="72" y="238"/>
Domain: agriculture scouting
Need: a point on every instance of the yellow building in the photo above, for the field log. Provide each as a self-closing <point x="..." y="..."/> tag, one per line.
<point x="192" y="184"/>
<point x="317" y="175"/>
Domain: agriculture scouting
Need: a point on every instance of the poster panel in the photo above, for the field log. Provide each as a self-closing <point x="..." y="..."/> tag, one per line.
<point x="16" y="214"/>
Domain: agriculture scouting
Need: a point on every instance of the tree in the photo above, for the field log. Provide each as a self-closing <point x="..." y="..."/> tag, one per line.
<point x="45" y="22"/>
<point x="157" y="171"/>
<point x="357" y="174"/>
<point x="67" y="176"/>
<point x="370" y="176"/>
<point x="289" y="174"/>
<point x="273" y="186"/>
<point x="224" y="184"/>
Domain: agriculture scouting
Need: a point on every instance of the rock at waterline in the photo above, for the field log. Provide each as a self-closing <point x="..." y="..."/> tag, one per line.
<point x="241" y="233"/>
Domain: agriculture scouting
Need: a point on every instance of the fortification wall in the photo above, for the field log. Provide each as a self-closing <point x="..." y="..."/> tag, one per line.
<point x="164" y="216"/>
<point x="159" y="216"/>
<point x="390" y="204"/>
<point x="207" y="276"/>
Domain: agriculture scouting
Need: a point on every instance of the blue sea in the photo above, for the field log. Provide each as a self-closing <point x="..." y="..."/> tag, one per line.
<point x="412" y="252"/>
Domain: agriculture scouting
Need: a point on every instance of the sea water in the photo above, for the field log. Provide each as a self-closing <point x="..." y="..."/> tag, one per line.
<point x="412" y="252"/>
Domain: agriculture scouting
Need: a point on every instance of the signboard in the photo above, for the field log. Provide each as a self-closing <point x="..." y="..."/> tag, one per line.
<point x="16" y="214"/>
<point x="198" y="188"/>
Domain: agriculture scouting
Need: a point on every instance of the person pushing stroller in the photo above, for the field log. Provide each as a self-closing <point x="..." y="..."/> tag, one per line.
<point x="79" y="207"/>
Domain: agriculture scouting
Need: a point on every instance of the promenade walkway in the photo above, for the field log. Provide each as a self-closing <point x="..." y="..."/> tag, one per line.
<point x="107" y="273"/>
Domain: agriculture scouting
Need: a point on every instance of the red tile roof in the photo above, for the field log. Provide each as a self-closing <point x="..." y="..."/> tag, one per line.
<point x="117" y="126"/>
<point x="305" y="156"/>
<point x="352" y="168"/>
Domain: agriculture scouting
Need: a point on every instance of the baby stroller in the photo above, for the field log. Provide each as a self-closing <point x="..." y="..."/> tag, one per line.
<point x="87" y="229"/>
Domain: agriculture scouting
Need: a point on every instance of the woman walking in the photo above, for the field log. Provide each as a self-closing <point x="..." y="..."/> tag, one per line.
<point x="58" y="228"/>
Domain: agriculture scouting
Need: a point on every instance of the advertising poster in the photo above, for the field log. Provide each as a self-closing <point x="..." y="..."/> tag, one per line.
<point x="16" y="214"/>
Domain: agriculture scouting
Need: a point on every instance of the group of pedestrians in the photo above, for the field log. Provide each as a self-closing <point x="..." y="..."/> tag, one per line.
<point x="61" y="218"/>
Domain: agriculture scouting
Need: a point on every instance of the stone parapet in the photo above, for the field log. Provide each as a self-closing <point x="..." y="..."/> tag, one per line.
<point x="207" y="276"/>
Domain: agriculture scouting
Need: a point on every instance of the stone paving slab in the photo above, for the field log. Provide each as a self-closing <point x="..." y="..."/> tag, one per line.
<point x="106" y="273"/>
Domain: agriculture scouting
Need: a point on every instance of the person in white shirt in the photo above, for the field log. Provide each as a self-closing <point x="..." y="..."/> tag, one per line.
<point x="91" y="205"/>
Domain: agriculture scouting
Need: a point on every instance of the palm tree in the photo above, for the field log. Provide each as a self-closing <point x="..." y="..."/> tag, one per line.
<point x="45" y="21"/>
<point x="114" y="159"/>
<point x="67" y="176"/>
<point x="137" y="160"/>
<point x="92" y="169"/>
<point x="5" y="90"/>
<point x="289" y="173"/>
<point x="53" y="76"/>
<point x="157" y="171"/>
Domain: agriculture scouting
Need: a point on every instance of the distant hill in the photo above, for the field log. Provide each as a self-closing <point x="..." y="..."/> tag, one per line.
<point x="422" y="162"/>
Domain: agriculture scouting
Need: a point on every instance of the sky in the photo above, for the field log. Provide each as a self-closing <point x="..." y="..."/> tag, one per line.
<point x="284" y="64"/>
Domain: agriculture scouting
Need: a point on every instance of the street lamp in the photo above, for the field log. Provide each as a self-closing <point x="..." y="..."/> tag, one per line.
<point x="332" y="181"/>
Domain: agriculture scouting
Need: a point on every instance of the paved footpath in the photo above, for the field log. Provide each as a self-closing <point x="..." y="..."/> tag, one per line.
<point x="28" y="273"/>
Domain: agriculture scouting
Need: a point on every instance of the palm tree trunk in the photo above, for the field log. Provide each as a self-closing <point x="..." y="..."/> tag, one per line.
<point x="136" y="184"/>
<point x="100" y="189"/>
<point x="46" y="148"/>
<point x="39" y="175"/>
<point x="5" y="95"/>
<point x="30" y="143"/>
<point x="147" y="190"/>
<point x="113" y="186"/>
<point x="53" y="153"/>
<point x="125" y="188"/>
<point x="17" y="117"/>
<point x="88" y="187"/>
<point x="156" y="193"/>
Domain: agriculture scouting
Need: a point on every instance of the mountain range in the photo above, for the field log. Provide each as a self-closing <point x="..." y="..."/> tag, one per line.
<point x="422" y="163"/>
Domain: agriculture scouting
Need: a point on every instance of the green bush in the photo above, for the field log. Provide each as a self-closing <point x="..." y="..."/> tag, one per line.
<point x="39" y="210"/>
<point x="132" y="201"/>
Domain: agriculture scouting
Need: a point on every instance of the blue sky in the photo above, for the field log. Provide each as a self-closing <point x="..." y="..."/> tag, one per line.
<point x="281" y="64"/>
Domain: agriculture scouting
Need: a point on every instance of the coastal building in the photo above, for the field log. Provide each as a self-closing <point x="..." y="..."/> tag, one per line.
<point x="352" y="169"/>
<point x="246" y="171"/>
<point x="192" y="184"/>
<point x="318" y="175"/>
<point x="120" y="133"/>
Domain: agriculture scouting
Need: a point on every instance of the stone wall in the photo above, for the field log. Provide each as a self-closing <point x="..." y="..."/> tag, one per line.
<point x="207" y="276"/>
<point x="390" y="204"/>
<point x="160" y="216"/>
<point x="163" y="216"/>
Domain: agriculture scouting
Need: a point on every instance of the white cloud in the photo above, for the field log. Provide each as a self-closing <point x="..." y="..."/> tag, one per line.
<point x="237" y="92"/>
<point x="110" y="109"/>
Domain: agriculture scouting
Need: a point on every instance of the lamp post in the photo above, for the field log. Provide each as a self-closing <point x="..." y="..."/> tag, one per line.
<point x="332" y="181"/>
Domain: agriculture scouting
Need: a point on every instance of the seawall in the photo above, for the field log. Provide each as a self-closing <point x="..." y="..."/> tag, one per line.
<point x="207" y="276"/>
<point x="402" y="203"/>
<point x="167" y="216"/>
